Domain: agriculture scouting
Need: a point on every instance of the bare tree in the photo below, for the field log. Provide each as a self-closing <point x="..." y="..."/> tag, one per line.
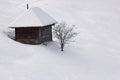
<point x="64" y="33"/>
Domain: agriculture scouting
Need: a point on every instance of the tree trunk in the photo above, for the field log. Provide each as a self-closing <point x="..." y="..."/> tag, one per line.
<point x="27" y="6"/>
<point x="62" y="46"/>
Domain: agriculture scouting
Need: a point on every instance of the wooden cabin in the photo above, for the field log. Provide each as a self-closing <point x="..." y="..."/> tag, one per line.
<point x="33" y="27"/>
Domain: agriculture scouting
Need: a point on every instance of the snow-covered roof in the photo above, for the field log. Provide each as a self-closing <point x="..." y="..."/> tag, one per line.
<point x="32" y="18"/>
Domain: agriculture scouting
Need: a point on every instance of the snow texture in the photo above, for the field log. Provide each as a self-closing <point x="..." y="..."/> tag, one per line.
<point x="94" y="56"/>
<point x="33" y="17"/>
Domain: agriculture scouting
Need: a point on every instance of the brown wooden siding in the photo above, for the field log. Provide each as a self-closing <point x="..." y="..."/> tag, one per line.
<point x="33" y="35"/>
<point x="47" y="33"/>
<point x="26" y="33"/>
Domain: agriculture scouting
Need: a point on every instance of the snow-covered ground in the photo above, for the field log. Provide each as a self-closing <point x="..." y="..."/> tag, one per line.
<point x="94" y="56"/>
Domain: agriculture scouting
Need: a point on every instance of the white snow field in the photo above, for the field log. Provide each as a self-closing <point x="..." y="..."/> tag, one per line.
<point x="94" y="56"/>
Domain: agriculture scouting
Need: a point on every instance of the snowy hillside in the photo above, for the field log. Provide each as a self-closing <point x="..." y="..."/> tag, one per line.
<point x="94" y="56"/>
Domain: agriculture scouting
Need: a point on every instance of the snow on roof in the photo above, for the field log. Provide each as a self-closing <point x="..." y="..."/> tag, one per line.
<point x="32" y="18"/>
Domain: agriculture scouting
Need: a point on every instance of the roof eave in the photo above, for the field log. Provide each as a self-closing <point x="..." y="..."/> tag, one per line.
<point x="33" y="26"/>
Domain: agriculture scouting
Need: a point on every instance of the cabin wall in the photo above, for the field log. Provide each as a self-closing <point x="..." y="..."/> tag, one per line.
<point x="33" y="35"/>
<point x="46" y="33"/>
<point x="26" y="33"/>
